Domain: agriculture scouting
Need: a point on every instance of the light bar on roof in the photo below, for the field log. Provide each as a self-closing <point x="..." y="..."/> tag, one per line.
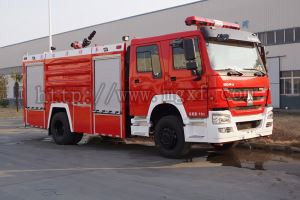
<point x="201" y="21"/>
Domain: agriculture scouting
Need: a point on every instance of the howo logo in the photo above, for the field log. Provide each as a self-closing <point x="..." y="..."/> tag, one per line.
<point x="249" y="99"/>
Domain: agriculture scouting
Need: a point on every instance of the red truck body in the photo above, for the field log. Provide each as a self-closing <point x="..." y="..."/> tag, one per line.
<point x="126" y="89"/>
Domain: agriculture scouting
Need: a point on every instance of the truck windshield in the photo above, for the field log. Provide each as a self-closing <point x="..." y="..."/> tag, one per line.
<point x="231" y="56"/>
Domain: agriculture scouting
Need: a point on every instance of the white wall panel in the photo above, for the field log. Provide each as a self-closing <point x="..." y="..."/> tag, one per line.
<point x="274" y="74"/>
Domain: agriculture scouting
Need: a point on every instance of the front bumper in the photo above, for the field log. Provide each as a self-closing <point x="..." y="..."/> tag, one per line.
<point x="203" y="130"/>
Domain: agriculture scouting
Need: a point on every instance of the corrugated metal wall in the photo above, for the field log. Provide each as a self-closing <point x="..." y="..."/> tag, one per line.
<point x="255" y="15"/>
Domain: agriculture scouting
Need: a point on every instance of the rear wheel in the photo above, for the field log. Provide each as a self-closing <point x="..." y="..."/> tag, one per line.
<point x="169" y="137"/>
<point x="60" y="130"/>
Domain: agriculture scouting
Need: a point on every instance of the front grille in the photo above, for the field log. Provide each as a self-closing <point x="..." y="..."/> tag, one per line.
<point x="248" y="125"/>
<point x="238" y="100"/>
<point x="245" y="98"/>
<point x="245" y="89"/>
<point x="248" y="108"/>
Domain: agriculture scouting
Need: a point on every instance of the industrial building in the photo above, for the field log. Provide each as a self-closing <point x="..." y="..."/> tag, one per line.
<point x="276" y="23"/>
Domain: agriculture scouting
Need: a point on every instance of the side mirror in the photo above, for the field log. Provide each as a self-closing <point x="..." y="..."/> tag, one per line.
<point x="189" y="49"/>
<point x="191" y="65"/>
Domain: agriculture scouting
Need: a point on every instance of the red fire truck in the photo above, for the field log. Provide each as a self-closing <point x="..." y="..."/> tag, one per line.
<point x="209" y="85"/>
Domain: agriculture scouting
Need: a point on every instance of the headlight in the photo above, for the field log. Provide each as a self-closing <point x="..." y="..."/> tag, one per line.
<point x="221" y="119"/>
<point x="270" y="115"/>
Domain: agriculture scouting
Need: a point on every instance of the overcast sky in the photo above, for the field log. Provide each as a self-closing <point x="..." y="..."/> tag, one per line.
<point x="22" y="20"/>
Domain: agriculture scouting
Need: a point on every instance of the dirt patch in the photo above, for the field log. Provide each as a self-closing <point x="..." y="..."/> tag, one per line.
<point x="10" y="113"/>
<point x="286" y="129"/>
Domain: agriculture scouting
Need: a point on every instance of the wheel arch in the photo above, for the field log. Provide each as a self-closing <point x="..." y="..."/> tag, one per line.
<point x="163" y="110"/>
<point x="59" y="107"/>
<point x="162" y="105"/>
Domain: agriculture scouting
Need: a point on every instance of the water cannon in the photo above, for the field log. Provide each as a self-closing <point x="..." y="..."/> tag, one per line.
<point x="76" y="45"/>
<point x="92" y="35"/>
<point x="85" y="43"/>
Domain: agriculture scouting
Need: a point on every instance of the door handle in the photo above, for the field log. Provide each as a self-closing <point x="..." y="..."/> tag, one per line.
<point x="136" y="81"/>
<point x="173" y="78"/>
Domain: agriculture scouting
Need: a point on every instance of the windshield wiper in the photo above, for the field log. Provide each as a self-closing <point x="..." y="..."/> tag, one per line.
<point x="231" y="72"/>
<point x="257" y="73"/>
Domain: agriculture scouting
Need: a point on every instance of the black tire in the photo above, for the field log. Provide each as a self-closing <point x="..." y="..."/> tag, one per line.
<point x="224" y="147"/>
<point x="169" y="137"/>
<point x="60" y="130"/>
<point x="78" y="138"/>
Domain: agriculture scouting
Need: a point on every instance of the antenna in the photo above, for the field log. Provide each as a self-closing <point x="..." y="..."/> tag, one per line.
<point x="50" y="26"/>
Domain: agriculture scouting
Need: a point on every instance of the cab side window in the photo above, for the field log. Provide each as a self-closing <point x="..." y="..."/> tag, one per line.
<point x="148" y="60"/>
<point x="179" y="61"/>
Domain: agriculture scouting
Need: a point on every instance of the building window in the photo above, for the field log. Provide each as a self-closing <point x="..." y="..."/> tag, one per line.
<point x="270" y="37"/>
<point x="286" y="82"/>
<point x="288" y="86"/>
<point x="179" y="61"/>
<point x="290" y="82"/>
<point x="148" y="60"/>
<point x="297" y="86"/>
<point x="282" y="86"/>
<point x="262" y="37"/>
<point x="289" y="35"/>
<point x="297" y="34"/>
<point x="285" y="86"/>
<point x="280" y="37"/>
<point x="296" y="74"/>
<point x="284" y="74"/>
<point x="296" y="82"/>
<point x="284" y="36"/>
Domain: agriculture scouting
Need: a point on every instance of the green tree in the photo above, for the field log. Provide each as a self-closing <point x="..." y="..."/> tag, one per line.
<point x="3" y="87"/>
<point x="17" y="77"/>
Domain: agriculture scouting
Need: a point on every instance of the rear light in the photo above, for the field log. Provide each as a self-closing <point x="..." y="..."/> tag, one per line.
<point x="119" y="47"/>
<point x="200" y="21"/>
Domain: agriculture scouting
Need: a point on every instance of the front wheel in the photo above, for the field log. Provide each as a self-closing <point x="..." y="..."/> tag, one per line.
<point x="60" y="130"/>
<point x="169" y="137"/>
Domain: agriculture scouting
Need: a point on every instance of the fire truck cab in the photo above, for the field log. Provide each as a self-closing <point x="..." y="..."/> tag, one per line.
<point x="209" y="85"/>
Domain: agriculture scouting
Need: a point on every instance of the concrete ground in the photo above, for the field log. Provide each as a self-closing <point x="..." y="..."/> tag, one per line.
<point x="33" y="167"/>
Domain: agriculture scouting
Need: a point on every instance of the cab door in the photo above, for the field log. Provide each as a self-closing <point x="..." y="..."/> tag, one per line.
<point x="146" y="77"/>
<point x="190" y="85"/>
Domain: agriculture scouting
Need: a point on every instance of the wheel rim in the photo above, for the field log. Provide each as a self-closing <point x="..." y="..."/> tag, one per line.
<point x="59" y="128"/>
<point x="168" y="138"/>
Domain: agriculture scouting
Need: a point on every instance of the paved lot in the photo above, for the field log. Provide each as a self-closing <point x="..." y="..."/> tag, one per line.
<point x="33" y="167"/>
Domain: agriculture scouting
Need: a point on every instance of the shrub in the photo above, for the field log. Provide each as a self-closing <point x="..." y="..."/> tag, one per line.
<point x="4" y="103"/>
